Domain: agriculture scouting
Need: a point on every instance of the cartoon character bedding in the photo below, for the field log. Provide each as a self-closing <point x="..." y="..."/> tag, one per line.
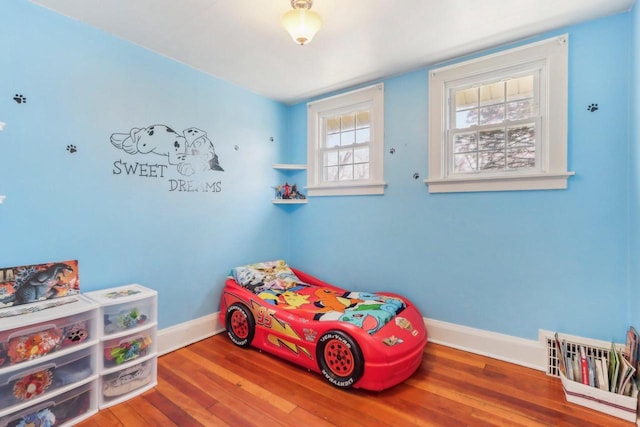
<point x="277" y="284"/>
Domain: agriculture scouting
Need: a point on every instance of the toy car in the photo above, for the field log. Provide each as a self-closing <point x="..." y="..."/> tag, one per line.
<point x="354" y="339"/>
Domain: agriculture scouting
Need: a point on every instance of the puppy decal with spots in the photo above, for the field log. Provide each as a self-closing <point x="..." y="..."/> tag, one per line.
<point x="190" y="152"/>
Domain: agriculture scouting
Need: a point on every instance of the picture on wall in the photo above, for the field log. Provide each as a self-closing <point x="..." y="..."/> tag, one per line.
<point x="31" y="283"/>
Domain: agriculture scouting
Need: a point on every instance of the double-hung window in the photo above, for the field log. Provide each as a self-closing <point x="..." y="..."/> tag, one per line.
<point x="345" y="143"/>
<point x="499" y="122"/>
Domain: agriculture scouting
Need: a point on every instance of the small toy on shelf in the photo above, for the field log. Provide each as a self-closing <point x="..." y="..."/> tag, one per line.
<point x="288" y="192"/>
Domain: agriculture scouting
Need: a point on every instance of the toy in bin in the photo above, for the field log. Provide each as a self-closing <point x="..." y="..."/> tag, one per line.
<point x="125" y="319"/>
<point x="128" y="380"/>
<point x="40" y="343"/>
<point x="127" y="350"/>
<point x="63" y="409"/>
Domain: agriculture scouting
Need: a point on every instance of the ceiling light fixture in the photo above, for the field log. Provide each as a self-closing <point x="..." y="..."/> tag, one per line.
<point x="301" y="22"/>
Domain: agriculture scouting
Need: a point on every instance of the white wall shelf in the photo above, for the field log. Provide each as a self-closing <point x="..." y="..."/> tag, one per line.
<point x="286" y="168"/>
<point x="289" y="166"/>
<point x="289" y="201"/>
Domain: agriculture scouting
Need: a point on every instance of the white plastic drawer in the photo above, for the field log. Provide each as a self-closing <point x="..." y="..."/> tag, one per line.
<point x="56" y="411"/>
<point x="129" y="315"/>
<point x="124" y="349"/>
<point x="44" y="338"/>
<point x="128" y="381"/>
<point x="19" y="386"/>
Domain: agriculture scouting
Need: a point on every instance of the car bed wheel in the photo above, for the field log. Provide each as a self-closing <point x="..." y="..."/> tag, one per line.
<point x="340" y="359"/>
<point x="241" y="326"/>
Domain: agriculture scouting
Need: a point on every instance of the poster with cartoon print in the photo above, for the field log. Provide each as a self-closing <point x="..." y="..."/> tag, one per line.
<point x="31" y="283"/>
<point x="191" y="154"/>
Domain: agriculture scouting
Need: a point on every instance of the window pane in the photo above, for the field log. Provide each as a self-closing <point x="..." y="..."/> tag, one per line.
<point x="491" y="160"/>
<point x="348" y="122"/>
<point x="520" y="88"/>
<point x="492" y="139"/>
<point x="519" y="110"/>
<point x="333" y="140"/>
<point x="346" y="157"/>
<point x="361" y="171"/>
<point x="465" y="142"/>
<point x="466" y="98"/>
<point x="465" y="162"/>
<point x="492" y="94"/>
<point x="363" y="135"/>
<point x="331" y="158"/>
<point x="363" y="119"/>
<point x="361" y="155"/>
<point x="330" y="173"/>
<point x="492" y="114"/>
<point x="522" y="136"/>
<point x="466" y="118"/>
<point x="466" y="107"/>
<point x="348" y="138"/>
<point x="521" y="158"/>
<point x="346" y="173"/>
<point x="333" y="124"/>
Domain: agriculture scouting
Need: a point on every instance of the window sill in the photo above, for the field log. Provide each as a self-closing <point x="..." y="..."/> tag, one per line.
<point x="548" y="181"/>
<point x="346" y="190"/>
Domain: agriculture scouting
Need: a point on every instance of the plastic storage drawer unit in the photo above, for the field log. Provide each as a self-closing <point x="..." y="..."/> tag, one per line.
<point x="128" y="350"/>
<point x="125" y="308"/>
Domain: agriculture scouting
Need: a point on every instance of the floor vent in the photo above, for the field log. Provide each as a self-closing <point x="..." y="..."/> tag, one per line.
<point x="597" y="349"/>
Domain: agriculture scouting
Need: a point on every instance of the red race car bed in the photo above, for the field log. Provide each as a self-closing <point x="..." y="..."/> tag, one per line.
<point x="354" y="339"/>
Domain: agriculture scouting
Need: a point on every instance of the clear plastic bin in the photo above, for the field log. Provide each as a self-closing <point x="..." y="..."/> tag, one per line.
<point x="56" y="411"/>
<point x="41" y="339"/>
<point x="31" y="383"/>
<point x="125" y="308"/>
<point x="118" y="351"/>
<point x="128" y="381"/>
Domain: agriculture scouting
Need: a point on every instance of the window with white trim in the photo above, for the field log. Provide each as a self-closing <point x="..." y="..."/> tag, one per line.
<point x="345" y="144"/>
<point x="499" y="122"/>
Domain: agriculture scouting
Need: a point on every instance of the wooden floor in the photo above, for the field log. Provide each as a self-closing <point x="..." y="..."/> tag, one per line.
<point x="214" y="383"/>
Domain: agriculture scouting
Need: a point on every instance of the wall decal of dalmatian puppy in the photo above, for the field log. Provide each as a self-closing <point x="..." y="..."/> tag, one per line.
<point x="190" y="152"/>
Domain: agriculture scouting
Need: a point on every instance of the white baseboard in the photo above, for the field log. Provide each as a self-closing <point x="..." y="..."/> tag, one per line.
<point x="178" y="336"/>
<point x="511" y="349"/>
<point x="508" y="348"/>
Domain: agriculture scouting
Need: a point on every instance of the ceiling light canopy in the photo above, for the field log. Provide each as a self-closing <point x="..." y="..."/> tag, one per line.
<point x="301" y="22"/>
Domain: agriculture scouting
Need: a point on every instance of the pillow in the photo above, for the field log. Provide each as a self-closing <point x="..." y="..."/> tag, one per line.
<point x="262" y="276"/>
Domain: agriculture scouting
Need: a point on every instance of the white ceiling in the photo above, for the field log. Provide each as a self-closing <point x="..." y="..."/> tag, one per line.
<point x="243" y="42"/>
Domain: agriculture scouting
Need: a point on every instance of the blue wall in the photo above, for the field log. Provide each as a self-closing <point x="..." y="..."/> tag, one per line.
<point x="634" y="175"/>
<point x="81" y="86"/>
<point x="509" y="262"/>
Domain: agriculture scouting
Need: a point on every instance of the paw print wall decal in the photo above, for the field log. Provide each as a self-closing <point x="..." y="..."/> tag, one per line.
<point x="593" y="107"/>
<point x="71" y="148"/>
<point x="392" y="150"/>
<point x="416" y="175"/>
<point x="20" y="99"/>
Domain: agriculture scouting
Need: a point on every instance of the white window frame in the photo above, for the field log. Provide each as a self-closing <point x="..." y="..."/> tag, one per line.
<point x="551" y="58"/>
<point x="371" y="97"/>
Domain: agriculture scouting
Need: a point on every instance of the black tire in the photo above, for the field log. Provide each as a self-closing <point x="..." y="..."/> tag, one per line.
<point x="240" y="324"/>
<point x="339" y="359"/>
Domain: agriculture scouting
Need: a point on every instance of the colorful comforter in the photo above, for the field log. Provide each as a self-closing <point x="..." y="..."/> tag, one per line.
<point x="277" y="284"/>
